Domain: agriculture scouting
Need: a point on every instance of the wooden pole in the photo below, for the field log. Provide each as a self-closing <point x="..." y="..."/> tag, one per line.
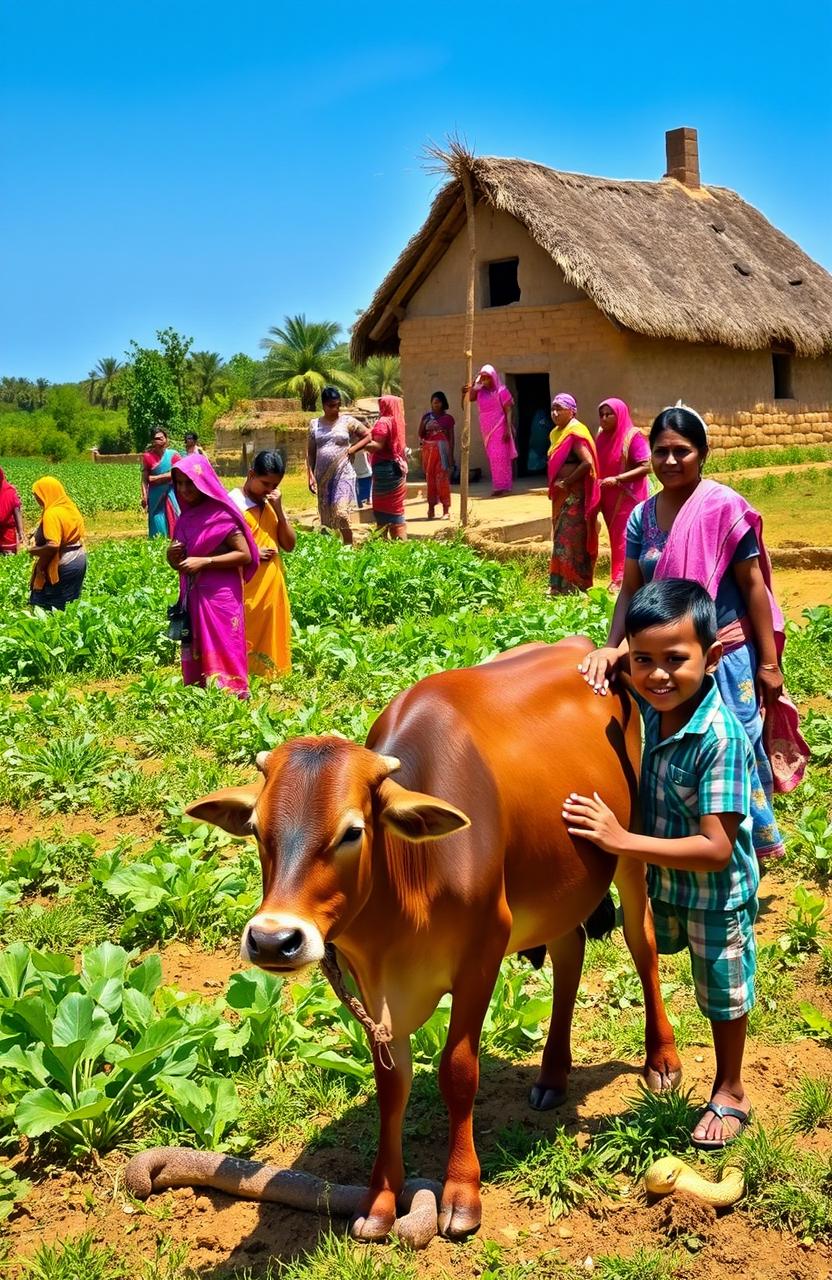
<point x="465" y="446"/>
<point x="457" y="161"/>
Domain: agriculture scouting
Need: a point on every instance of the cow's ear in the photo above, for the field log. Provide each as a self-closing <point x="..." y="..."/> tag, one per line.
<point x="231" y="809"/>
<point x="416" y="816"/>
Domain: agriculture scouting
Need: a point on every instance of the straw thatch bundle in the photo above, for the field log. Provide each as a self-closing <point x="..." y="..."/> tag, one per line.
<point x="658" y="258"/>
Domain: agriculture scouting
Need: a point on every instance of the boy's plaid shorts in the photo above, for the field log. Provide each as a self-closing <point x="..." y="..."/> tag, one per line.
<point x="723" y="954"/>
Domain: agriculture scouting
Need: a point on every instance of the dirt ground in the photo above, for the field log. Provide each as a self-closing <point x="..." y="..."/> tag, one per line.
<point x="223" y="1233"/>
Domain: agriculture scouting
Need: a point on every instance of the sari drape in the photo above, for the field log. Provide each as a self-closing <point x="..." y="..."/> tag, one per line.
<point x="266" y="600"/>
<point x="493" y="404"/>
<point x="9" y="503"/>
<point x="162" y="506"/>
<point x="574" y="514"/>
<point x="389" y="463"/>
<point x="700" y="546"/>
<point x="619" y="451"/>
<point x="436" y="432"/>
<point x="217" y="650"/>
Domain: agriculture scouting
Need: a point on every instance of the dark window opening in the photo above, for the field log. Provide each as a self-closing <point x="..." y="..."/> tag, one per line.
<point x="782" y="368"/>
<point x="503" y="287"/>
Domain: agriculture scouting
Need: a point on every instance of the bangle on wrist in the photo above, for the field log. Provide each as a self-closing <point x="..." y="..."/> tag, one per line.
<point x="768" y="666"/>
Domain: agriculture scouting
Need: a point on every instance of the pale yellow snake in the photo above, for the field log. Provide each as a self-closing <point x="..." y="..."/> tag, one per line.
<point x="672" y="1174"/>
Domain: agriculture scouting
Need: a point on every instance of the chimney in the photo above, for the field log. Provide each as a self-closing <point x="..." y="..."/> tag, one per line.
<point x="682" y="148"/>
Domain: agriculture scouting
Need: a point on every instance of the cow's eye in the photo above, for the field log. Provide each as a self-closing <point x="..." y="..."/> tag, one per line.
<point x="351" y="835"/>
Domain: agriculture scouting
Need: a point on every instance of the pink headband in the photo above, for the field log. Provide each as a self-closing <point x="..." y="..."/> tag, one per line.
<point x="565" y="401"/>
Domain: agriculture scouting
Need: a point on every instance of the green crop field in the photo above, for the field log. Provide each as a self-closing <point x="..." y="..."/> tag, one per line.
<point x="126" y="1020"/>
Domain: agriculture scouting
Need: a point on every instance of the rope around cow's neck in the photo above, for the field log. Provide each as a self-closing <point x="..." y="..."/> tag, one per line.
<point x="378" y="1035"/>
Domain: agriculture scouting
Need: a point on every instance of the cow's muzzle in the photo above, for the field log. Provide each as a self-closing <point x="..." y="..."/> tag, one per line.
<point x="281" y="943"/>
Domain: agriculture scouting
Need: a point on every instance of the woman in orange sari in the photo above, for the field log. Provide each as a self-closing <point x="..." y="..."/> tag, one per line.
<point x="266" y="600"/>
<point x="575" y="494"/>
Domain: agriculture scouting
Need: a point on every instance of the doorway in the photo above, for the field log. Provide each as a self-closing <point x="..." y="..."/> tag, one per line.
<point x="533" y="404"/>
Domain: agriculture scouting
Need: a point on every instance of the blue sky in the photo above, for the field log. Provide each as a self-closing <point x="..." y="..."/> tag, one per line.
<point x="217" y="166"/>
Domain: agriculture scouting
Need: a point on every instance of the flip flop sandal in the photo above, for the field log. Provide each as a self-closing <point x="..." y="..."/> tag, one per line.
<point x="709" y="1144"/>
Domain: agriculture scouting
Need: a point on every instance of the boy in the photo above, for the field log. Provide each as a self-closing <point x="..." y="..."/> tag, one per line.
<point x="695" y="795"/>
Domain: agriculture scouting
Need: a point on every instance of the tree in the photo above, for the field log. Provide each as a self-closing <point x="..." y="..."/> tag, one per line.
<point x="102" y="384"/>
<point x="243" y="374"/>
<point x="381" y="376"/>
<point x="156" y="387"/>
<point x="207" y="374"/>
<point x="303" y="357"/>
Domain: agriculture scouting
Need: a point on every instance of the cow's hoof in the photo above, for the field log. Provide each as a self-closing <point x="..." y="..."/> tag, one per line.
<point x="460" y="1212"/>
<point x="377" y="1222"/>
<point x="661" y="1081"/>
<point x="542" y="1098"/>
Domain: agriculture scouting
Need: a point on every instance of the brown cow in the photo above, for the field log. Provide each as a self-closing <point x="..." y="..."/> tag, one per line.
<point x="426" y="880"/>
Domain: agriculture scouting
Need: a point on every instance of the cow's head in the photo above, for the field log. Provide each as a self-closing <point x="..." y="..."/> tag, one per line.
<point x="316" y="813"/>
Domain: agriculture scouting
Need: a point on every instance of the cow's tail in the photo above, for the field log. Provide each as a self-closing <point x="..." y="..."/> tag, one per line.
<point x="602" y="920"/>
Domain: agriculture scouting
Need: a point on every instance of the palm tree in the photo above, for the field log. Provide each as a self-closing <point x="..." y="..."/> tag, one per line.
<point x="303" y="357"/>
<point x="101" y="380"/>
<point x="207" y="372"/>
<point x="381" y="376"/>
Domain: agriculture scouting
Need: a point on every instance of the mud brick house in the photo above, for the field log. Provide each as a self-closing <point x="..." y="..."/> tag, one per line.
<point x="646" y="290"/>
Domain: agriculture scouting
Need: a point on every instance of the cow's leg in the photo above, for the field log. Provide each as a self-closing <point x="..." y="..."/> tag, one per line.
<point x="567" y="954"/>
<point x="662" y="1068"/>
<point x="378" y="1212"/>
<point x="460" y="1211"/>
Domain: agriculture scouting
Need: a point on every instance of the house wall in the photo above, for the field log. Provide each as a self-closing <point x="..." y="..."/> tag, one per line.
<point x="498" y="236"/>
<point x="584" y="353"/>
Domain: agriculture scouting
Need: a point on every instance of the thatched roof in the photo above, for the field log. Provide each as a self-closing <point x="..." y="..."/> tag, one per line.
<point x="659" y="258"/>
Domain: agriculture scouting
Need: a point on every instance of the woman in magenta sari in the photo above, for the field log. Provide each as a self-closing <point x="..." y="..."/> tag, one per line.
<point x="623" y="461"/>
<point x="214" y="551"/>
<point x="495" y="401"/>
<point x="706" y="532"/>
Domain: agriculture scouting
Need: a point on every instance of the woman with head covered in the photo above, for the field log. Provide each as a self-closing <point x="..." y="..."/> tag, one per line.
<point x="575" y="494"/>
<point x="495" y="401"/>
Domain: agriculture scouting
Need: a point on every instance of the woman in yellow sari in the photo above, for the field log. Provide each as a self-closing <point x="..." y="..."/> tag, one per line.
<point x="575" y="494"/>
<point x="57" y="547"/>
<point x="268" y="620"/>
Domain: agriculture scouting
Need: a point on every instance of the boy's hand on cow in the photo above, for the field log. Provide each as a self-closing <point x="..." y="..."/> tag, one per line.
<point x="591" y="818"/>
<point x="598" y="668"/>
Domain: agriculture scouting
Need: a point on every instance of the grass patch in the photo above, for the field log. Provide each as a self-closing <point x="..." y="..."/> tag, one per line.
<point x="656" y="1124"/>
<point x="557" y="1171"/>
<point x="811" y="1104"/>
<point x="750" y="459"/>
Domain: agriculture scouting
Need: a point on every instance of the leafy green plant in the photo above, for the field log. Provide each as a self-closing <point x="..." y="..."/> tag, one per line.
<point x="183" y="890"/>
<point x="817" y="730"/>
<point x="85" y="1054"/>
<point x="816" y="1023"/>
<point x="655" y="1124"/>
<point x="813" y="841"/>
<point x="12" y="1190"/>
<point x="804" y="929"/>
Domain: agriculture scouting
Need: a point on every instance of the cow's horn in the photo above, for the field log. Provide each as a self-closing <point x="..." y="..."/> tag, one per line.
<point x="391" y="763"/>
<point x="260" y="760"/>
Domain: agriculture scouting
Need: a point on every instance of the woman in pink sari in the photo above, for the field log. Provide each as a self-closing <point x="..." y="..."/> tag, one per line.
<point x="707" y="532"/>
<point x="624" y="461"/>
<point x="495" y="402"/>
<point x="214" y="551"/>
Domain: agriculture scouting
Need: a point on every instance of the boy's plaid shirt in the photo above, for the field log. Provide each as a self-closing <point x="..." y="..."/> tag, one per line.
<point x="706" y="767"/>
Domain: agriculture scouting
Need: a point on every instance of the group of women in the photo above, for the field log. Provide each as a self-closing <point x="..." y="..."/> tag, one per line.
<point x="335" y="441"/>
<point x="56" y="544"/>
<point x="226" y="548"/>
